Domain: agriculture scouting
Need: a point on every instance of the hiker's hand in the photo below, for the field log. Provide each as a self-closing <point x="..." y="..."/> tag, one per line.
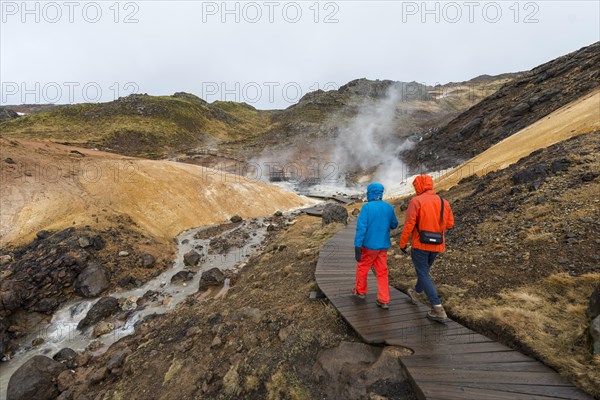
<point x="357" y="253"/>
<point x="403" y="249"/>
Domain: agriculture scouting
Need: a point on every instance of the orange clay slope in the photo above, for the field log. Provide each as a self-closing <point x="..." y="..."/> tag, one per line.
<point x="51" y="186"/>
<point x="576" y="118"/>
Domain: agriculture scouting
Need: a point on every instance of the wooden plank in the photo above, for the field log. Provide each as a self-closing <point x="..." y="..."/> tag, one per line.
<point x="554" y="392"/>
<point x="496" y="377"/>
<point x="449" y="392"/>
<point x="443" y="360"/>
<point x="461" y="348"/>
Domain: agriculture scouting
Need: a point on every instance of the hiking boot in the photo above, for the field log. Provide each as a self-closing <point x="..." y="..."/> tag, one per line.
<point x="383" y="306"/>
<point x="359" y="296"/>
<point x="438" y="314"/>
<point x="413" y="297"/>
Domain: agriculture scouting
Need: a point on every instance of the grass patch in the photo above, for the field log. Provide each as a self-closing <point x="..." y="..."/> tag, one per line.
<point x="547" y="319"/>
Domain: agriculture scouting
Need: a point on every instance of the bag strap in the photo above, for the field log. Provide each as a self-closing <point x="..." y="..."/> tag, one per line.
<point x="441" y="211"/>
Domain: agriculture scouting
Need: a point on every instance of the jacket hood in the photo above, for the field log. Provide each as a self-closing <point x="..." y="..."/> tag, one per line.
<point x="423" y="183"/>
<point x="375" y="191"/>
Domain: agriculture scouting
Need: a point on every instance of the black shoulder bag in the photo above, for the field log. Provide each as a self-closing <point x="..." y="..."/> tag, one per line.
<point x="428" y="237"/>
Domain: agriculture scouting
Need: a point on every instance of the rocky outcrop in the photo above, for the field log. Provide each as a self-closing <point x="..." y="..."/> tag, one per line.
<point x="104" y="308"/>
<point x="514" y="106"/>
<point x="334" y="213"/>
<point x="358" y="370"/>
<point x="212" y="277"/>
<point x="36" y="379"/>
<point x="191" y="258"/>
<point x="92" y="281"/>
<point x="7" y="114"/>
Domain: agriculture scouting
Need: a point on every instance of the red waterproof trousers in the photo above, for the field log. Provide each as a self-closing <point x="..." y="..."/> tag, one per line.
<point x="377" y="258"/>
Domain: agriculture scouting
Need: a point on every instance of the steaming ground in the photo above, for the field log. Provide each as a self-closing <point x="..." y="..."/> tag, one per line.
<point x="364" y="149"/>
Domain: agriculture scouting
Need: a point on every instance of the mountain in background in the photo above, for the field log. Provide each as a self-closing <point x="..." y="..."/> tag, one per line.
<point x="160" y="126"/>
<point x="520" y="102"/>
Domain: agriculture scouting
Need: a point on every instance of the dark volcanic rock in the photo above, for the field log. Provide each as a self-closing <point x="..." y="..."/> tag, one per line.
<point x="104" y="308"/>
<point x="92" y="281"/>
<point x="182" y="276"/>
<point x="212" y="277"/>
<point x="35" y="380"/>
<point x="559" y="165"/>
<point x="235" y="219"/>
<point x="66" y="356"/>
<point x="148" y="260"/>
<point x="534" y="173"/>
<point x="7" y="113"/>
<point x="334" y="213"/>
<point x="191" y="258"/>
<point x="43" y="234"/>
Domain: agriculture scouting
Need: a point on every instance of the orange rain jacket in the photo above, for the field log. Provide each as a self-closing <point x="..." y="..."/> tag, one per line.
<point x="424" y="212"/>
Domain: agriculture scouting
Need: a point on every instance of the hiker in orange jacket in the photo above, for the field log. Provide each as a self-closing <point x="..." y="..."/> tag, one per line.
<point x="427" y="218"/>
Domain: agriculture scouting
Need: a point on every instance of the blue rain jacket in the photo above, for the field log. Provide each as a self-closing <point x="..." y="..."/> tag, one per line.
<point x="375" y="220"/>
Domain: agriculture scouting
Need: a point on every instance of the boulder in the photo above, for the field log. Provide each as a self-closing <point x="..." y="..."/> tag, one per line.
<point x="102" y="328"/>
<point x="360" y="371"/>
<point x="212" y="277"/>
<point x="520" y="109"/>
<point x="84" y="242"/>
<point x="66" y="356"/>
<point x="235" y="219"/>
<point x="104" y="308"/>
<point x="334" y="213"/>
<point x="35" y="380"/>
<point x="43" y="234"/>
<point x="191" y="258"/>
<point x="182" y="276"/>
<point x="148" y="260"/>
<point x="92" y="281"/>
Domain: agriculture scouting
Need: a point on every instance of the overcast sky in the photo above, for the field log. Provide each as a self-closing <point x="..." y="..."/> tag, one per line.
<point x="269" y="54"/>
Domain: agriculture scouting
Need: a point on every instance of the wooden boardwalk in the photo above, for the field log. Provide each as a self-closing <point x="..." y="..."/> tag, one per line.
<point x="449" y="361"/>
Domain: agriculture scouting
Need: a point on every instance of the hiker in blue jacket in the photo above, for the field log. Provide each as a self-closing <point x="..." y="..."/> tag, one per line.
<point x="371" y="244"/>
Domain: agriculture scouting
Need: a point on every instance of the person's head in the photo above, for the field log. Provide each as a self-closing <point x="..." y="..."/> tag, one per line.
<point x="375" y="191"/>
<point x="423" y="183"/>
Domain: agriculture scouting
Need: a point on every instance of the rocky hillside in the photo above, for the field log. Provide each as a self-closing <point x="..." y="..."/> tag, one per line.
<point x="40" y="276"/>
<point x="319" y="118"/>
<point x="160" y="126"/>
<point x="142" y="125"/>
<point x="517" y="104"/>
<point x="523" y="259"/>
<point x="264" y="339"/>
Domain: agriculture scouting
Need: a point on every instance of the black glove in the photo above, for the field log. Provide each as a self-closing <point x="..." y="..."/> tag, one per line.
<point x="403" y="249"/>
<point x="357" y="253"/>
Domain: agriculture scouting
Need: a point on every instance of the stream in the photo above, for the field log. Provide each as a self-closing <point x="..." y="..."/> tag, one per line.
<point x="164" y="296"/>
